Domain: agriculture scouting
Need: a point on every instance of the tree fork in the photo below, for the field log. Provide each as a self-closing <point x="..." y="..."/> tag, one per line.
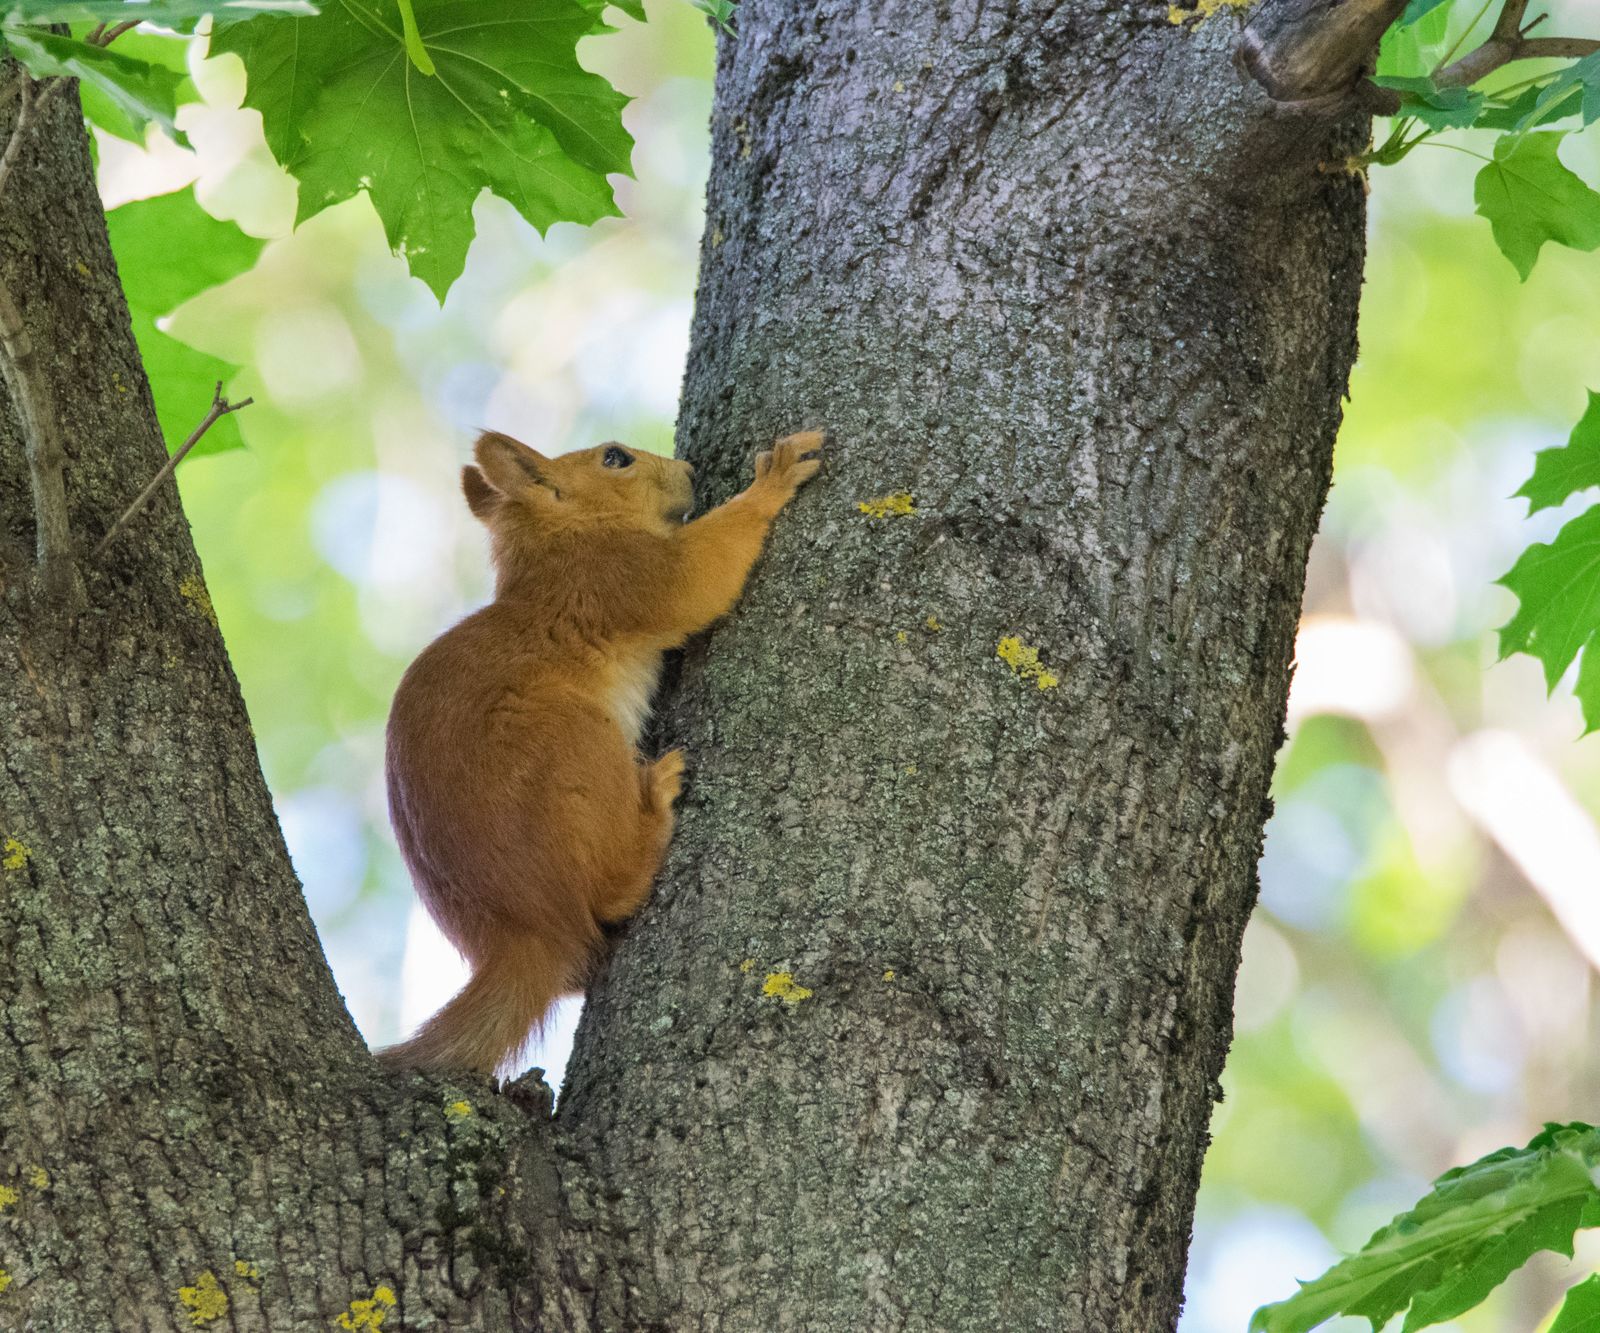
<point x="924" y="1026"/>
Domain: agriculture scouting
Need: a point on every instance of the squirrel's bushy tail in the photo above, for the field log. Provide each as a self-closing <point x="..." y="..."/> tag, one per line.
<point x="488" y="1023"/>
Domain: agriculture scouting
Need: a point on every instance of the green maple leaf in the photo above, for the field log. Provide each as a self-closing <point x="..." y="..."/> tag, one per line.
<point x="1564" y="471"/>
<point x="127" y="93"/>
<point x="179" y="14"/>
<point x="1415" y="45"/>
<point x="163" y="49"/>
<point x="1513" y="113"/>
<point x="145" y="236"/>
<point x="1583" y="77"/>
<point x="1417" y="9"/>
<point x="1558" y="586"/>
<point x="720" y="12"/>
<point x="1462" y="1239"/>
<point x="508" y="108"/>
<point x="1580" y="1312"/>
<point x="1530" y="198"/>
<point x="1438" y="108"/>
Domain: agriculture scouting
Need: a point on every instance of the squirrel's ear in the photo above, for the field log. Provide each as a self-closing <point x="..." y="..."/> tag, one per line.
<point x="482" y="498"/>
<point x="509" y="466"/>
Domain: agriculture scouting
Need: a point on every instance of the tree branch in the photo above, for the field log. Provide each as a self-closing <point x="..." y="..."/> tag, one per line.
<point x="1558" y="48"/>
<point x="220" y="407"/>
<point x="35" y="407"/>
<point x="19" y="127"/>
<point x="104" y="35"/>
<point x="1509" y="24"/>
<point x="1501" y="50"/>
<point x="1310" y="55"/>
<point x="41" y="439"/>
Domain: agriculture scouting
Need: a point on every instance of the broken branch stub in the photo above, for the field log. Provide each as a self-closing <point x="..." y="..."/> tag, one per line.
<point x="1313" y="55"/>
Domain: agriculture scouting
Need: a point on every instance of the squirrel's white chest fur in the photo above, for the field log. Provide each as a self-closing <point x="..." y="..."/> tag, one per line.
<point x="633" y="683"/>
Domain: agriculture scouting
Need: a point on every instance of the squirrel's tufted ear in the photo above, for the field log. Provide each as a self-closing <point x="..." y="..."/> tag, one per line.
<point x="482" y="498"/>
<point x="509" y="466"/>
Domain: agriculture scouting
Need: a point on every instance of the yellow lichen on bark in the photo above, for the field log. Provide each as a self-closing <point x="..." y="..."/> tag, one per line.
<point x="368" y="1312"/>
<point x="782" y="986"/>
<point x="193" y="591"/>
<point x="1203" y="9"/>
<point x="14" y="854"/>
<point x="898" y="502"/>
<point x="1024" y="662"/>
<point x="204" y="1301"/>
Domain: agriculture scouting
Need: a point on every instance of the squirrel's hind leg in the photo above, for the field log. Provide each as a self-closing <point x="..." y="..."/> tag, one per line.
<point x="662" y="781"/>
<point x="659" y="785"/>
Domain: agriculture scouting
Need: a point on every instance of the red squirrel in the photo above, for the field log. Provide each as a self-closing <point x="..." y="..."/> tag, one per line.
<point x="519" y="798"/>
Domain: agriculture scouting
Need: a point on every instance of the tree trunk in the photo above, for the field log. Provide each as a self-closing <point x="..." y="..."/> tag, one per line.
<point x="923" y="1028"/>
<point x="1045" y="269"/>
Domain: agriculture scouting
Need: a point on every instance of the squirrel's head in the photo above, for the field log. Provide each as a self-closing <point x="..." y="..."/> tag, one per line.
<point x="515" y="487"/>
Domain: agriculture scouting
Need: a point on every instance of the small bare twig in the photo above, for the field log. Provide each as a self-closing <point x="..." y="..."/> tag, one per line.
<point x="220" y="407"/>
<point x="104" y="36"/>
<point x="22" y="80"/>
<point x="1508" y="42"/>
<point x="19" y="127"/>
<point x="41" y="438"/>
<point x="35" y="407"/>
<point x="52" y="89"/>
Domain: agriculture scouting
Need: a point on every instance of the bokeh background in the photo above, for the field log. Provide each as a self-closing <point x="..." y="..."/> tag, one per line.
<point x="1418" y="981"/>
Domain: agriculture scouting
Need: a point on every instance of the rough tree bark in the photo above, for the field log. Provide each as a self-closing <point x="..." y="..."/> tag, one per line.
<point x="1055" y="272"/>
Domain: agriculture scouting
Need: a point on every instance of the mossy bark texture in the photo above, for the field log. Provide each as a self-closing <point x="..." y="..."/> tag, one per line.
<point x="922" y="1030"/>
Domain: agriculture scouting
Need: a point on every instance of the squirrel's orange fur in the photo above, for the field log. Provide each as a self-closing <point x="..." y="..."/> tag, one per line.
<point x="520" y="801"/>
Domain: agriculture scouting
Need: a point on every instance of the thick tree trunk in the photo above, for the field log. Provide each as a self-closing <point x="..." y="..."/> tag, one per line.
<point x="1054" y="273"/>
<point x="1047" y="269"/>
<point x="181" y="1090"/>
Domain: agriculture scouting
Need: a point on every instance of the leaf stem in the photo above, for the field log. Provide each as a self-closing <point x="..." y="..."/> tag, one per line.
<point x="1520" y="84"/>
<point x="1465" y="33"/>
<point x="414" y="46"/>
<point x="1453" y="147"/>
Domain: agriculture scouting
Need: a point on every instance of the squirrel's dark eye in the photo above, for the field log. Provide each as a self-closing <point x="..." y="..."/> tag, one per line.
<point x="616" y="457"/>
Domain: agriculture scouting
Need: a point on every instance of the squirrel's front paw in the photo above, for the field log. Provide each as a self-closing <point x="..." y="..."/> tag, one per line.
<point x="791" y="462"/>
